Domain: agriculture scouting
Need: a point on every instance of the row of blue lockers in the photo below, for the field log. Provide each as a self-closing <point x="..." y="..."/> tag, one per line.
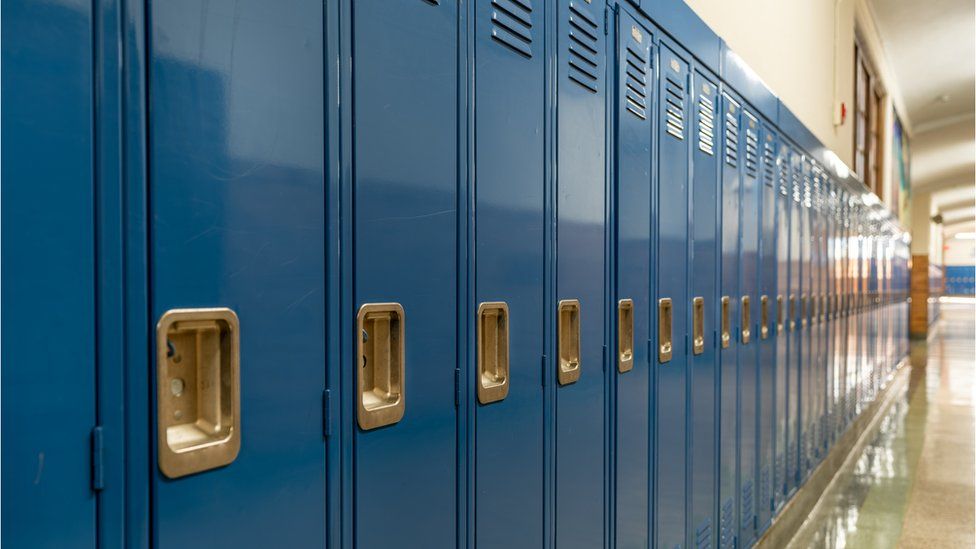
<point x="960" y="279"/>
<point x="505" y="273"/>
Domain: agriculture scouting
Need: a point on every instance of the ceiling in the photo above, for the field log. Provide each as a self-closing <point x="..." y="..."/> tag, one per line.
<point x="930" y="46"/>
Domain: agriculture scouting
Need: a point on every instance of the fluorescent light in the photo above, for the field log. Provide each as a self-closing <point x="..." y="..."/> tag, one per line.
<point x="965" y="236"/>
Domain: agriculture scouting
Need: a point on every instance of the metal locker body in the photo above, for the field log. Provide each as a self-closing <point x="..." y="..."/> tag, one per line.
<point x="636" y="84"/>
<point x="748" y="300"/>
<point x="816" y="372"/>
<point x="237" y="219"/>
<point x="404" y="245"/>
<point x="671" y="233"/>
<point x="766" y="339"/>
<point x="49" y="351"/>
<point x="783" y="332"/>
<point x="703" y="277"/>
<point x="729" y="320"/>
<point x="509" y="204"/>
<point x="581" y="202"/>
<point x="796" y="330"/>
<point x="805" y="325"/>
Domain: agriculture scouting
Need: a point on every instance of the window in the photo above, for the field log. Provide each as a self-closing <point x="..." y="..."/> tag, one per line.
<point x="868" y="123"/>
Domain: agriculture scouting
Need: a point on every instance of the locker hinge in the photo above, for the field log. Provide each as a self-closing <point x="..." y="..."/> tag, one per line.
<point x="606" y="21"/>
<point x="542" y="369"/>
<point x="457" y="387"/>
<point x="98" y="458"/>
<point x="326" y="413"/>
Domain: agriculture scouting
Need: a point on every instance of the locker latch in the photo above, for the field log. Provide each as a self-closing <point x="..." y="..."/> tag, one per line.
<point x="698" y="325"/>
<point x="625" y="335"/>
<point x="792" y="323"/>
<point x="381" y="354"/>
<point x="569" y="341"/>
<point x="763" y="317"/>
<point x="726" y="322"/>
<point x="198" y="409"/>
<point x="493" y="351"/>
<point x="779" y="313"/>
<point x="746" y="320"/>
<point x="664" y="348"/>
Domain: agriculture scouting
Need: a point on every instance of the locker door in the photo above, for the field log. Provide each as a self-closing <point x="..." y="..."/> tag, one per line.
<point x="49" y="303"/>
<point x="579" y="356"/>
<point x="635" y="90"/>
<point x="404" y="243"/>
<point x="672" y="280"/>
<point x="509" y="197"/>
<point x="728" y="322"/>
<point x="703" y="304"/>
<point x="806" y="337"/>
<point x="237" y="203"/>
<point x="766" y="338"/>
<point x="748" y="334"/>
<point x="816" y="394"/>
<point x="782" y="324"/>
<point x="794" y="325"/>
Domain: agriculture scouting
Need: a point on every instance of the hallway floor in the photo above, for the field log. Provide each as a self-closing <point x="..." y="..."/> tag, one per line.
<point x="912" y="485"/>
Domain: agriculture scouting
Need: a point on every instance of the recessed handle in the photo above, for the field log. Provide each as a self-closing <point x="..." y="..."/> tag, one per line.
<point x="746" y="320"/>
<point x="569" y="341"/>
<point x="803" y="310"/>
<point x="493" y="353"/>
<point x="625" y="335"/>
<point x="763" y="317"/>
<point x="779" y="313"/>
<point x="726" y="322"/>
<point x="198" y="390"/>
<point x="698" y="325"/>
<point x="664" y="347"/>
<point x="381" y="356"/>
<point x="792" y="324"/>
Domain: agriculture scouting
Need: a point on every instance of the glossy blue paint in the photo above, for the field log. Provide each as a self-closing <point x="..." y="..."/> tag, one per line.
<point x="405" y="191"/>
<point x="746" y="83"/>
<point x="635" y="103"/>
<point x="767" y="335"/>
<point x="783" y="320"/>
<point x="703" y="279"/>
<point x="748" y="264"/>
<point x="682" y="24"/>
<point x="580" y="207"/>
<point x="728" y="290"/>
<point x="509" y="240"/>
<point x="804" y="325"/>
<point x="671" y="232"/>
<point x="223" y="168"/>
<point x="795" y="327"/>
<point x="49" y="299"/>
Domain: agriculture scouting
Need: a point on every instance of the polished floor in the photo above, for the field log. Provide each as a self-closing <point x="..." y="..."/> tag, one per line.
<point x="913" y="483"/>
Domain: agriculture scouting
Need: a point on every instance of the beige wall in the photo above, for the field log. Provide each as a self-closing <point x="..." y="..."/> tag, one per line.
<point x="790" y="44"/>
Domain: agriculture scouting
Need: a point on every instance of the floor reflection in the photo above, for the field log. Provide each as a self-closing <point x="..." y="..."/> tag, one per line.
<point x="912" y="486"/>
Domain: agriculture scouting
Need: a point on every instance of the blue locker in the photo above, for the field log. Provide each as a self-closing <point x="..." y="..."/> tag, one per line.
<point x="580" y="353"/>
<point x="816" y="373"/>
<point x="806" y="338"/>
<point x="766" y="337"/>
<point x="509" y="246"/>
<point x="783" y="320"/>
<point x="404" y="245"/>
<point x="794" y="326"/>
<point x="704" y="317"/>
<point x="749" y="219"/>
<point x="218" y="191"/>
<point x="671" y="232"/>
<point x="728" y="322"/>
<point x="49" y="355"/>
<point x="632" y="237"/>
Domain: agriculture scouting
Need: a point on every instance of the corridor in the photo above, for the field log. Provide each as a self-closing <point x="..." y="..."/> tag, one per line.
<point x="912" y="484"/>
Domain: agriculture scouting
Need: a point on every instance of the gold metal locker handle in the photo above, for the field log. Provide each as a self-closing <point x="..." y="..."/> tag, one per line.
<point x="198" y="398"/>
<point x="569" y="341"/>
<point x="664" y="348"/>
<point x="763" y="317"/>
<point x="726" y="323"/>
<point x="746" y="334"/>
<point x="821" y="308"/>
<point x="813" y="310"/>
<point x="792" y="324"/>
<point x="779" y="313"/>
<point x="803" y="310"/>
<point x="493" y="351"/>
<point x="698" y="325"/>
<point x="625" y="335"/>
<point x="381" y="357"/>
